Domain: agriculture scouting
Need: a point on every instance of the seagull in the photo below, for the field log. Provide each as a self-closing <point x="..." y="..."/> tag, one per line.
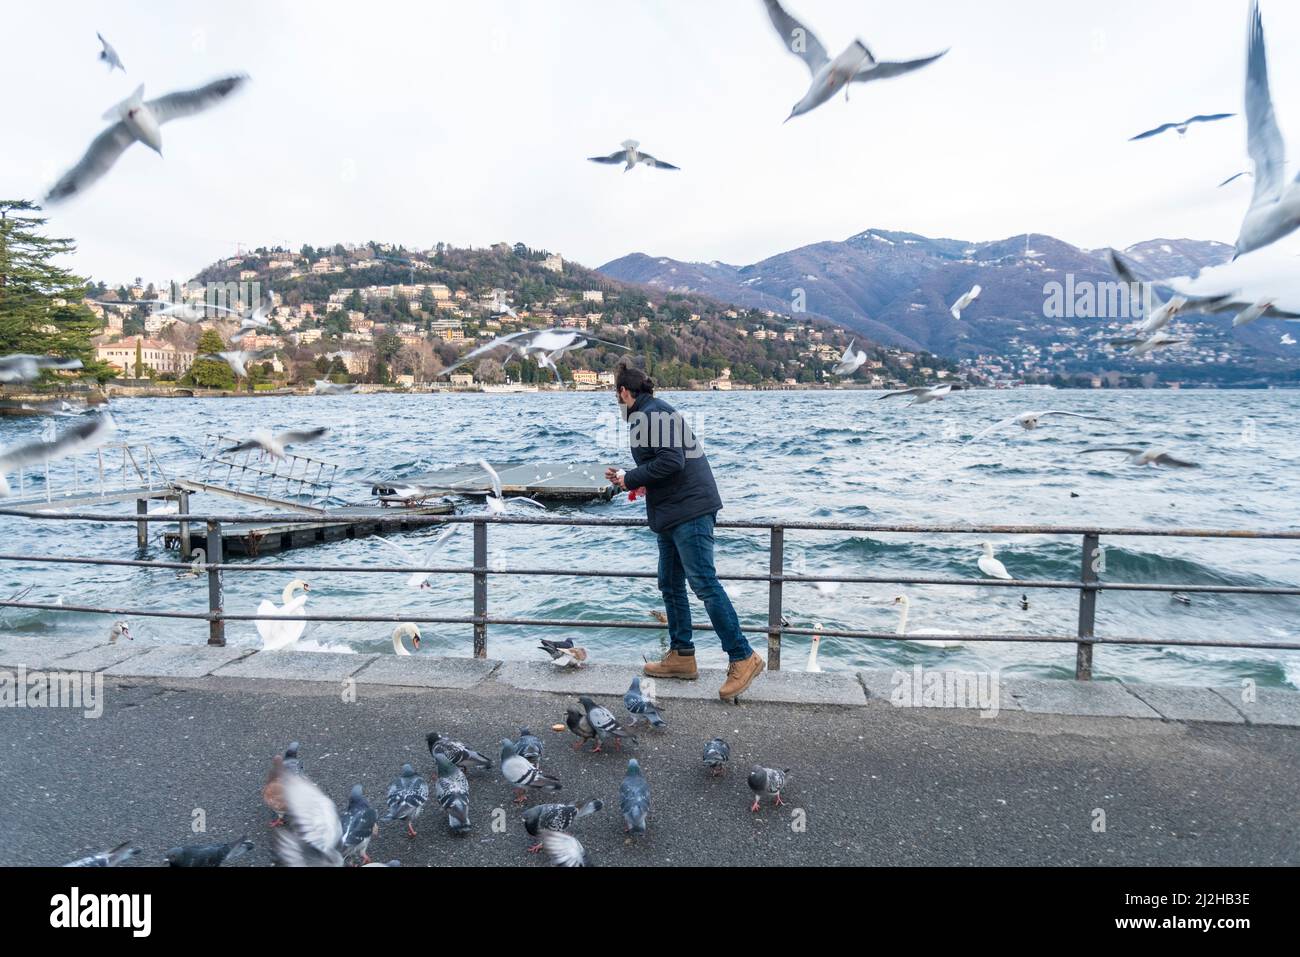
<point x="238" y="360"/>
<point x="421" y="579"/>
<point x="496" y="502"/>
<point x="1255" y="277"/>
<point x="851" y="361"/>
<point x="1148" y="456"/>
<point x="187" y="312"/>
<point x="1031" y="420"/>
<point x="1161" y="312"/>
<point x="922" y="394"/>
<point x="138" y="119"/>
<point x="1252" y="312"/>
<point x="1235" y="176"/>
<point x="1287" y="339"/>
<point x="536" y="341"/>
<point x="990" y="566"/>
<point x="631" y="155"/>
<point x="21" y="367"/>
<point x="275" y="445"/>
<point x="854" y="65"/>
<point x="325" y="387"/>
<point x="89" y="434"/>
<point x="1182" y="125"/>
<point x="966" y="299"/>
<point x="109" y="55"/>
<point x="1275" y="205"/>
<point x="1143" y="346"/>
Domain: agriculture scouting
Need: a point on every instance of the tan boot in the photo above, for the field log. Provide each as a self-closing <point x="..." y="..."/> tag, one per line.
<point x="673" y="665"/>
<point x="740" y="676"/>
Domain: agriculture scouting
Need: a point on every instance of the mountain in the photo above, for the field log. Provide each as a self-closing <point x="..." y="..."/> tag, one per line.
<point x="896" y="288"/>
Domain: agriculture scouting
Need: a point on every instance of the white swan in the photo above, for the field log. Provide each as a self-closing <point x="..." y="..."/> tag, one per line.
<point x="901" y="628"/>
<point x="281" y="634"/>
<point x="991" y="566"/>
<point x="812" y="652"/>
<point x="405" y="630"/>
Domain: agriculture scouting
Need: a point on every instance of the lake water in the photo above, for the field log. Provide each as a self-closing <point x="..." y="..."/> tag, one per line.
<point x="842" y="456"/>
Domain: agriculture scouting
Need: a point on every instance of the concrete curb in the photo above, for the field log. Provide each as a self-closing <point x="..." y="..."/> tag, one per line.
<point x="296" y="666"/>
<point x="426" y="672"/>
<point x="1271" y="706"/>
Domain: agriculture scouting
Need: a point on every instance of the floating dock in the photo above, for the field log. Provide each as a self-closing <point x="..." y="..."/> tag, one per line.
<point x="544" y="481"/>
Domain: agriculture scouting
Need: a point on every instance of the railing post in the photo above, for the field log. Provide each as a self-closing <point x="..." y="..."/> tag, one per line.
<point x="216" y="597"/>
<point x="1087" y="607"/>
<point x="142" y="528"/>
<point x="480" y="589"/>
<point x="775" y="567"/>
<point x="183" y="509"/>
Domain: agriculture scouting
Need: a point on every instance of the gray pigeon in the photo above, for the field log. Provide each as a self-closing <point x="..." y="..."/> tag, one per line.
<point x="208" y="855"/>
<point x="311" y="831"/>
<point x="577" y="722"/>
<point x="451" y="791"/>
<point x="407" y="797"/>
<point x="522" y="774"/>
<point x="716" y="755"/>
<point x="459" y="754"/>
<point x="360" y="825"/>
<point x="564" y="849"/>
<point x="123" y="852"/>
<point x="640" y="706"/>
<point x="555" y="817"/>
<point x="766" y="781"/>
<point x="292" y="764"/>
<point x="605" y="725"/>
<point x="634" y="798"/>
<point x="529" y="746"/>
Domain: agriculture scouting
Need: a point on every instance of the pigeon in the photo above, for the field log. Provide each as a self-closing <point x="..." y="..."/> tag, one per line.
<point x="850" y="361"/>
<point x="1181" y="125"/>
<point x="407" y="796"/>
<point x="630" y="155"/>
<point x="966" y="299"/>
<point x="855" y="65"/>
<point x="311" y="833"/>
<point x="565" y="850"/>
<point x="605" y="725"/>
<point x="123" y="852"/>
<point x="275" y="445"/>
<point x="208" y="855"/>
<point x="138" y="119"/>
<point x="922" y="394"/>
<point x="273" y="790"/>
<point x="21" y="367"/>
<point x="555" y="817"/>
<point x="563" y="653"/>
<point x="292" y="762"/>
<point x="529" y="747"/>
<point x="457" y="753"/>
<point x="1149" y="456"/>
<point x="392" y="863"/>
<point x="638" y="705"/>
<point x="634" y="798"/>
<point x="766" y="781"/>
<point x="109" y="55"/>
<point x="325" y="387"/>
<point x="716" y="755"/>
<point x="360" y="825"/>
<point x="577" y="722"/>
<point x="521" y="774"/>
<point x="990" y="566"/>
<point x="451" y="791"/>
<point x="89" y="434"/>
<point x="238" y="361"/>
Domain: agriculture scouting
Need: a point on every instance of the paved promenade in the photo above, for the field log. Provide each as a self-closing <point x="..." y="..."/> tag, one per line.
<point x="1064" y="774"/>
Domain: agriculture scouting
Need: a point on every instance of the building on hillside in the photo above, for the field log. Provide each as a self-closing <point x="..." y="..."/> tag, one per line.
<point x="593" y="295"/>
<point x="462" y="380"/>
<point x="357" y="363"/>
<point x="555" y="263"/>
<point x="157" y="356"/>
<point x="605" y="378"/>
<point x="585" y="377"/>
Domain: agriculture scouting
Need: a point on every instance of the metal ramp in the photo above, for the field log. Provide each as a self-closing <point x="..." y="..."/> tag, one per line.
<point x="121" y="471"/>
<point x="300" y="483"/>
<point x="555" y="481"/>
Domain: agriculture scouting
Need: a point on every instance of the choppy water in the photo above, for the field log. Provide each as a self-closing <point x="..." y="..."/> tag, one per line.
<point x="791" y="456"/>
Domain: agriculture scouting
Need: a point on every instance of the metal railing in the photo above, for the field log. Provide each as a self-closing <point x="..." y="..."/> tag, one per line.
<point x="1089" y="584"/>
<point x="294" y="481"/>
<point x="120" y="468"/>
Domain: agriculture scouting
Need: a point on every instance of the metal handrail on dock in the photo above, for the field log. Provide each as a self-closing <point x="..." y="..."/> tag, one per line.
<point x="1089" y="584"/>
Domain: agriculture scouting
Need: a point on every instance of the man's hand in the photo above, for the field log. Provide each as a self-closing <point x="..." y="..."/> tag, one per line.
<point x="615" y="477"/>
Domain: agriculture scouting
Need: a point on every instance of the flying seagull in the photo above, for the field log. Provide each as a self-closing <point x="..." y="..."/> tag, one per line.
<point x="1148" y="456"/>
<point x="1140" y="345"/>
<point x="1275" y="205"/>
<point x="854" y="65"/>
<point x="1235" y="176"/>
<point x="496" y="502"/>
<point x="922" y="394"/>
<point x="1161" y="312"/>
<point x="630" y="155"/>
<point x="325" y="387"/>
<point x="138" y="119"/>
<point x="966" y="299"/>
<point x="275" y="445"/>
<point x="238" y="361"/>
<point x="109" y="55"/>
<point x="1182" y="125"/>
<point x="1031" y="420"/>
<point x="851" y="361"/>
<point x="535" y="341"/>
<point x="21" y="367"/>
<point x="91" y="433"/>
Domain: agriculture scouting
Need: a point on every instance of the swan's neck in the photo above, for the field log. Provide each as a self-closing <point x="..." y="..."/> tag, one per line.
<point x="399" y="647"/>
<point x="289" y="589"/>
<point x="902" y="619"/>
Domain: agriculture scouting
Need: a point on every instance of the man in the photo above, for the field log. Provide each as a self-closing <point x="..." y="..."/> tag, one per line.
<point x="682" y="502"/>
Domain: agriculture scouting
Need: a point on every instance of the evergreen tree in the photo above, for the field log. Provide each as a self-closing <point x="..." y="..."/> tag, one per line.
<point x="41" y="309"/>
<point x="211" y="373"/>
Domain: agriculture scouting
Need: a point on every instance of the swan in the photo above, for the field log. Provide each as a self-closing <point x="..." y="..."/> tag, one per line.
<point x="901" y="629"/>
<point x="405" y="630"/>
<point x="812" y="651"/>
<point x="991" y="566"/>
<point x="281" y="634"/>
<point x="120" y="629"/>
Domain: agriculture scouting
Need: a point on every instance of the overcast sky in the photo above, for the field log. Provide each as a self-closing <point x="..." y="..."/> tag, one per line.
<point x="469" y="123"/>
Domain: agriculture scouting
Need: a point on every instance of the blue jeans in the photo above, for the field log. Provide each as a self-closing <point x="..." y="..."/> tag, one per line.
<point x="686" y="554"/>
